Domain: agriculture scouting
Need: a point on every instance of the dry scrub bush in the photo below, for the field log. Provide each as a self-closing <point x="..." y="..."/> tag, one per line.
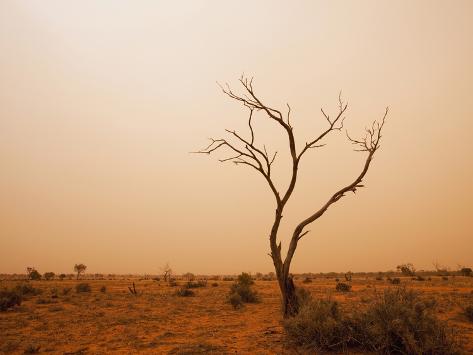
<point x="343" y="287"/>
<point x="469" y="312"/>
<point x="185" y="292"/>
<point x="83" y="287"/>
<point x="396" y="281"/>
<point x="242" y="292"/>
<point x="192" y="284"/>
<point x="9" y="299"/>
<point x="398" y="322"/>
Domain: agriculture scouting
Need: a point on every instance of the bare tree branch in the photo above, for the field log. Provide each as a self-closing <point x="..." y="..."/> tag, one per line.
<point x="246" y="152"/>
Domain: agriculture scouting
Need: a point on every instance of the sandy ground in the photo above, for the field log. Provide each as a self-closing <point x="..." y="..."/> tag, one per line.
<point x="159" y="322"/>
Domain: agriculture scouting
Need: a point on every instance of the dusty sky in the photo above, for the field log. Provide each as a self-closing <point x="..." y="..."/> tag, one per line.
<point x="101" y="103"/>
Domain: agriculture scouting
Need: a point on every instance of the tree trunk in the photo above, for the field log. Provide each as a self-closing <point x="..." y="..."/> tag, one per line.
<point x="290" y="303"/>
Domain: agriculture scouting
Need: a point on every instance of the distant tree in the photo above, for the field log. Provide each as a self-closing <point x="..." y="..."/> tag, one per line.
<point x="79" y="269"/>
<point x="246" y="152"/>
<point x="49" y="275"/>
<point x="466" y="271"/>
<point x="167" y="272"/>
<point x="406" y="269"/>
<point x="189" y="276"/>
<point x="62" y="276"/>
<point x="33" y="274"/>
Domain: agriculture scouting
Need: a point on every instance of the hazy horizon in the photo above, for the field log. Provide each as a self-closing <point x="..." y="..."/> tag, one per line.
<point x="101" y="103"/>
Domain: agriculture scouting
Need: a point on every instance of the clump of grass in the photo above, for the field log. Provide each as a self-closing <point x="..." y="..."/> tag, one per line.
<point x="242" y="289"/>
<point x="469" y="312"/>
<point x="307" y="280"/>
<point x="235" y="300"/>
<point x="184" y="292"/>
<point x="398" y="322"/>
<point x="83" y="287"/>
<point x="192" y="284"/>
<point x="343" y="287"/>
<point x="32" y="349"/>
<point x="9" y="299"/>
<point x="27" y="290"/>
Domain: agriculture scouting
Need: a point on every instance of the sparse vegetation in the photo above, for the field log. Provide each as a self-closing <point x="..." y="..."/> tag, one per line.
<point x="83" y="287"/>
<point x="133" y="290"/>
<point x="396" y="281"/>
<point x="243" y="288"/>
<point x="343" y="287"/>
<point x="406" y="269"/>
<point x="49" y="275"/>
<point x="200" y="283"/>
<point x="399" y="321"/>
<point x="184" y="292"/>
<point x="466" y="271"/>
<point x="9" y="299"/>
<point x="469" y="312"/>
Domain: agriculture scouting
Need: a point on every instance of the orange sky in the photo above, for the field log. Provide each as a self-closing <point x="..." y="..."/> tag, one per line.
<point x="101" y="103"/>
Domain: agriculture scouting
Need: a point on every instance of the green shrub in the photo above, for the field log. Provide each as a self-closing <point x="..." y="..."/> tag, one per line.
<point x="9" y="299"/>
<point x="83" y="287"/>
<point x="343" y="287"/>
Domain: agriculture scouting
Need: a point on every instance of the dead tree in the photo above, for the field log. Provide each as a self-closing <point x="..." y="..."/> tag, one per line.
<point x="245" y="151"/>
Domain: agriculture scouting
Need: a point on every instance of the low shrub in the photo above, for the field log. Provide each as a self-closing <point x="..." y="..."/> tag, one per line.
<point x="192" y="284"/>
<point x="469" y="313"/>
<point x="401" y="322"/>
<point x="83" y="287"/>
<point x="49" y="275"/>
<point x="243" y="288"/>
<point x="185" y="292"/>
<point x="27" y="290"/>
<point x="66" y="290"/>
<point x="398" y="322"/>
<point x="396" y="281"/>
<point x="343" y="287"/>
<point x="215" y="284"/>
<point x="9" y="299"/>
<point x="103" y="289"/>
<point x="235" y="300"/>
